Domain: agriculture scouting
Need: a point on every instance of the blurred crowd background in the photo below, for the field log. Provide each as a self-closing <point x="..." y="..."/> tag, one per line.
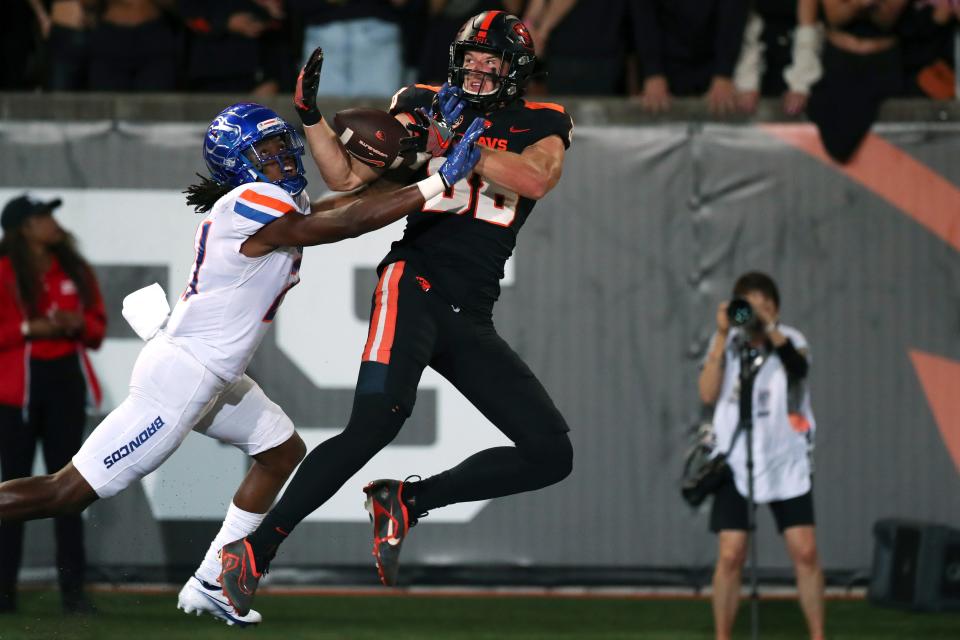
<point x="730" y="51"/>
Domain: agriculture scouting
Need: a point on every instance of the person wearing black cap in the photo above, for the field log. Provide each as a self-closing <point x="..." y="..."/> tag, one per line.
<point x="51" y="311"/>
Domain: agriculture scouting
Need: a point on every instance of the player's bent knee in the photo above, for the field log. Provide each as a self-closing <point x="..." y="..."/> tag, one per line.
<point x="562" y="464"/>
<point x="553" y="453"/>
<point x="284" y="457"/>
<point x="376" y="420"/>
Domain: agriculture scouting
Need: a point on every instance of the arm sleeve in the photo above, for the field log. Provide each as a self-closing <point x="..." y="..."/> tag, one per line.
<point x="731" y="22"/>
<point x="94" y="318"/>
<point x="258" y="205"/>
<point x="750" y="66"/>
<point x="647" y="34"/>
<point x="804" y="68"/>
<point x="793" y="361"/>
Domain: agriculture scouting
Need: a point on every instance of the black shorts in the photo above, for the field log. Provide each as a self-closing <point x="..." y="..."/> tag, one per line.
<point x="412" y="327"/>
<point x="729" y="510"/>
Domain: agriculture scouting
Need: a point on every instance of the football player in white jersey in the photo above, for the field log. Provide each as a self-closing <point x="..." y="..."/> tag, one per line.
<point x="190" y="376"/>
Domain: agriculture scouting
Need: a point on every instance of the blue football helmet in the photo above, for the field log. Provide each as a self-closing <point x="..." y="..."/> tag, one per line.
<point x="228" y="147"/>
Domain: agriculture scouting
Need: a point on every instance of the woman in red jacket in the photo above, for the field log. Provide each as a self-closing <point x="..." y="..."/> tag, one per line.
<point x="50" y="312"/>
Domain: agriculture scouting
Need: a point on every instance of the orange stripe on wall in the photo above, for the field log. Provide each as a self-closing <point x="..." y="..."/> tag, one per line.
<point x="891" y="173"/>
<point x="940" y="379"/>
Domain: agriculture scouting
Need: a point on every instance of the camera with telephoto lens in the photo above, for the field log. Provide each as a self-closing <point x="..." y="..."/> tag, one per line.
<point x="741" y="314"/>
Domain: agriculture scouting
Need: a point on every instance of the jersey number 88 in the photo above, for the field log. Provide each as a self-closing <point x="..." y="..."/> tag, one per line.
<point x="473" y="196"/>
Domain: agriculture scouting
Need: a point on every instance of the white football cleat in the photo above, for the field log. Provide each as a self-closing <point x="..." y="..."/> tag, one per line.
<point x="198" y="596"/>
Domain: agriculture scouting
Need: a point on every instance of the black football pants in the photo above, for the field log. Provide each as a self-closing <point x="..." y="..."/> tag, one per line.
<point x="412" y="327"/>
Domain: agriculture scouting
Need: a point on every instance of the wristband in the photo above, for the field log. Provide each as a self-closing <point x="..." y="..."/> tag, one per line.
<point x="431" y="187"/>
<point x="805" y="67"/>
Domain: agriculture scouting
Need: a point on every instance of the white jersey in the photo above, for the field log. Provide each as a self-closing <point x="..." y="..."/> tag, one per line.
<point x="781" y="455"/>
<point x="230" y="299"/>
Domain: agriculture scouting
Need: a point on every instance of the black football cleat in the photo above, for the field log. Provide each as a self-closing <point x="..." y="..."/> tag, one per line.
<point x="391" y="522"/>
<point x="240" y="577"/>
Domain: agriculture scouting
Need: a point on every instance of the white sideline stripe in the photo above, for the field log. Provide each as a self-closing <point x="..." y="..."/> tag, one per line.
<point x="572" y="592"/>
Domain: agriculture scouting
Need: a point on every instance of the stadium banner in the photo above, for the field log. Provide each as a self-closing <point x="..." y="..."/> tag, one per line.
<point x="610" y="299"/>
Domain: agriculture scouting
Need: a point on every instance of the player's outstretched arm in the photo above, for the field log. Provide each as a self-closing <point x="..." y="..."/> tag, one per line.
<point x="337" y="168"/>
<point x="532" y="173"/>
<point x="367" y="213"/>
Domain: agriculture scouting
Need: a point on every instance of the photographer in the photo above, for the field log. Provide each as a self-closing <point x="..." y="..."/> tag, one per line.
<point x="783" y="427"/>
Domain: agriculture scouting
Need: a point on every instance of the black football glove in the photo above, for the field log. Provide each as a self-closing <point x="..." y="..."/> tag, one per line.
<point x="305" y="97"/>
<point x="427" y="135"/>
<point x="432" y="132"/>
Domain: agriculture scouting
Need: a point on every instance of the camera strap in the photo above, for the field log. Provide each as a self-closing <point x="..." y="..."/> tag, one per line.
<point x="733" y="443"/>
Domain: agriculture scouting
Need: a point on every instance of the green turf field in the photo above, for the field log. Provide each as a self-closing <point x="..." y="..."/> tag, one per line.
<point x="154" y="616"/>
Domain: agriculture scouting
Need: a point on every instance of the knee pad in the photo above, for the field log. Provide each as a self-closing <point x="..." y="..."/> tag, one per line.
<point x="376" y="419"/>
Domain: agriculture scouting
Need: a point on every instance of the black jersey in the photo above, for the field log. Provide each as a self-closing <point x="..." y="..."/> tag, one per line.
<point x="464" y="236"/>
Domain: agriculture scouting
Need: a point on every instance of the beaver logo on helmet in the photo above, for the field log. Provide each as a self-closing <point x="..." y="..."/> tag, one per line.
<point x="525" y="38"/>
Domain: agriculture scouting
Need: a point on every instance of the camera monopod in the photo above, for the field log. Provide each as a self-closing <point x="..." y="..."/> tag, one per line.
<point x="751" y="359"/>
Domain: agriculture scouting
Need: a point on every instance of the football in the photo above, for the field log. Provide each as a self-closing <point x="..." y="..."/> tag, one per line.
<point x="370" y="135"/>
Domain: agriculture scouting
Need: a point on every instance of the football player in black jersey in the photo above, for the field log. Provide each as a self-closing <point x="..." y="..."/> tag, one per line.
<point x="434" y="301"/>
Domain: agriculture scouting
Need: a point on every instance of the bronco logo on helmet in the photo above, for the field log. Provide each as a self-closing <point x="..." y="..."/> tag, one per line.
<point x="230" y="155"/>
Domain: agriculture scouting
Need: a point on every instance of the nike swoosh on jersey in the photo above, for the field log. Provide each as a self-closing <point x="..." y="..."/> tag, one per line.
<point x="515" y="130"/>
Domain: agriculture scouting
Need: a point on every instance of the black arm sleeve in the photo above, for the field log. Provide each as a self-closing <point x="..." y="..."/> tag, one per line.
<point x="793" y="361"/>
<point x="646" y="33"/>
<point x="731" y="21"/>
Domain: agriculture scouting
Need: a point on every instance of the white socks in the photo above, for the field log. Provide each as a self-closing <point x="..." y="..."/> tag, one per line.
<point x="238" y="524"/>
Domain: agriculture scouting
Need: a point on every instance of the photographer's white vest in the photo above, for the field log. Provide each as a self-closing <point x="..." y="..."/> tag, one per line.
<point x="781" y="455"/>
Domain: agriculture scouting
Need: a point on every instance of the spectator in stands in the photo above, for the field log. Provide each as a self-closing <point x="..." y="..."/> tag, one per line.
<point x="688" y="47"/>
<point x="582" y="44"/>
<point x="362" y="44"/>
<point x="780" y="54"/>
<point x="65" y="29"/>
<point x="927" y="42"/>
<point x="51" y="311"/>
<point x="782" y="434"/>
<point x="862" y="67"/>
<point x="133" y="46"/>
<point x="238" y="46"/>
<point x="444" y="19"/>
<point x="19" y="47"/>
